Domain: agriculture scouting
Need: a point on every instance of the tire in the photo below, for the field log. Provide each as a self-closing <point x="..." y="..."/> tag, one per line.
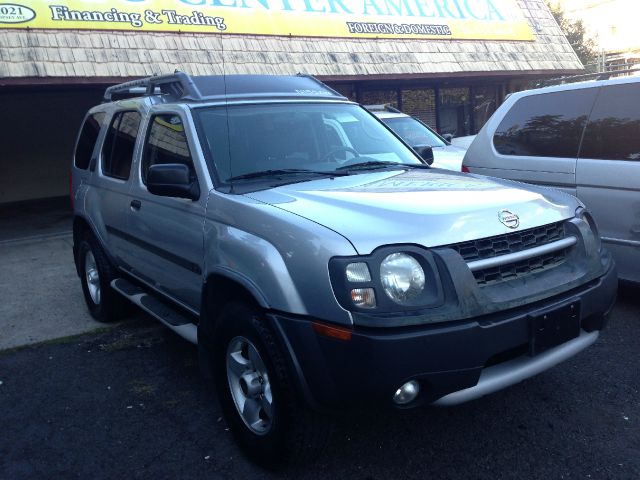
<point x="277" y="428"/>
<point x="96" y="274"/>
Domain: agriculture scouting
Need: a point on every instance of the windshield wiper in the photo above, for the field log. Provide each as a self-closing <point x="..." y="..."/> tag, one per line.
<point x="378" y="164"/>
<point x="286" y="171"/>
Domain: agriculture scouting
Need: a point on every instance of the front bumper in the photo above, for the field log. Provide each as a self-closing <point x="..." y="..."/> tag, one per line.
<point x="470" y="357"/>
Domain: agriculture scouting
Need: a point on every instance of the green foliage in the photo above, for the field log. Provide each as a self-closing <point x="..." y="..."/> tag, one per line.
<point x="575" y="33"/>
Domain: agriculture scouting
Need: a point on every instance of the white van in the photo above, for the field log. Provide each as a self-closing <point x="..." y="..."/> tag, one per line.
<point x="583" y="138"/>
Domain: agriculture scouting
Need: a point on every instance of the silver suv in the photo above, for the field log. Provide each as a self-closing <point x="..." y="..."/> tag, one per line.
<point x="583" y="138"/>
<point x="314" y="258"/>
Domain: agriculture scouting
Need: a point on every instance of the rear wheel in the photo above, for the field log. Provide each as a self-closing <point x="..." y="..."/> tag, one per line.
<point x="268" y="419"/>
<point x="96" y="274"/>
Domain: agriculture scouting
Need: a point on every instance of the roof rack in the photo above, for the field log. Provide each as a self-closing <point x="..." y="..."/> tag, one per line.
<point x="586" y="77"/>
<point x="178" y="85"/>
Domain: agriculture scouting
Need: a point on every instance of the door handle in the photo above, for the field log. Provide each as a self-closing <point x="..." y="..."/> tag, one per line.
<point x="136" y="204"/>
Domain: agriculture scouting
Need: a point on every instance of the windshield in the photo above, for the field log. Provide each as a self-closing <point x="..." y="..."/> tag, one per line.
<point x="294" y="139"/>
<point x="413" y="132"/>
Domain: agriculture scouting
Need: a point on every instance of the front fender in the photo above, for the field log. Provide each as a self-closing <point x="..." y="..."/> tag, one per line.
<point x="282" y="259"/>
<point x="256" y="265"/>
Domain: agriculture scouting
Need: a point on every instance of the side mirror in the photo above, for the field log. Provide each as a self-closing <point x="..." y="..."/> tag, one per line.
<point x="425" y="152"/>
<point x="447" y="136"/>
<point x="172" y="180"/>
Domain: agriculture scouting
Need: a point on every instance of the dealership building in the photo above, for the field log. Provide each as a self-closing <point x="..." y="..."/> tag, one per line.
<point x="448" y="62"/>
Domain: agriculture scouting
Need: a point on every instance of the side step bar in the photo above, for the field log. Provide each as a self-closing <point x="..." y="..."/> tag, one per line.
<point x="171" y="317"/>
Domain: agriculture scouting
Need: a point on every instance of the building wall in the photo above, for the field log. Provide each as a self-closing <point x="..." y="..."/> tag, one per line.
<point x="38" y="129"/>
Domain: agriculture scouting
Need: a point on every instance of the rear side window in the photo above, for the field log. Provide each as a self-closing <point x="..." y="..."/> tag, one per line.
<point x="166" y="143"/>
<point x="545" y="125"/>
<point x="613" y="131"/>
<point x="88" y="138"/>
<point x="117" y="152"/>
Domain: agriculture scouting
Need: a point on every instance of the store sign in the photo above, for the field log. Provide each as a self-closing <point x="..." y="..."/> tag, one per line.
<point x="436" y="19"/>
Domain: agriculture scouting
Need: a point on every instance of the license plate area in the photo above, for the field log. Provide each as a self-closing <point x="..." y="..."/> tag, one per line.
<point x="552" y="327"/>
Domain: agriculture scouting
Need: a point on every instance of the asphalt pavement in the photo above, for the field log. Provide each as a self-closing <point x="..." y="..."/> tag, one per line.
<point x="130" y="403"/>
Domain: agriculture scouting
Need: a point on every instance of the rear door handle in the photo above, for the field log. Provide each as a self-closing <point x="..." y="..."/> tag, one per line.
<point x="136" y="204"/>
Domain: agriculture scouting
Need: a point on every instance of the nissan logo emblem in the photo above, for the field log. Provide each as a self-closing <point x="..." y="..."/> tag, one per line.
<point x="508" y="219"/>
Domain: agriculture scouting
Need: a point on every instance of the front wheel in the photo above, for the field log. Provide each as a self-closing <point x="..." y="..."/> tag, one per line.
<point x="258" y="398"/>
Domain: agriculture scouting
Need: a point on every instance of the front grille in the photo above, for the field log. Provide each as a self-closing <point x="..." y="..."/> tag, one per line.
<point x="511" y="243"/>
<point x="515" y="270"/>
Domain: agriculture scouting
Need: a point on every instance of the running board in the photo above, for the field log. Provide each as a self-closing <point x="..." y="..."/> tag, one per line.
<point x="171" y="317"/>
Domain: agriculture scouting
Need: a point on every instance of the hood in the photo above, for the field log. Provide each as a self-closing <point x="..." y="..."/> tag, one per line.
<point x="425" y="207"/>
<point x="449" y="157"/>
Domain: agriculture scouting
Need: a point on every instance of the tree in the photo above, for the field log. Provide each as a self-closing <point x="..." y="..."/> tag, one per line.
<point x="575" y="33"/>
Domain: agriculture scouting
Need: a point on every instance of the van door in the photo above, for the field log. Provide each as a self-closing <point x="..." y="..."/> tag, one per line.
<point x="166" y="233"/>
<point x="537" y="140"/>
<point x="608" y="173"/>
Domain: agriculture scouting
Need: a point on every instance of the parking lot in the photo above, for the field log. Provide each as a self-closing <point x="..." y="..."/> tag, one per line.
<point x="129" y="402"/>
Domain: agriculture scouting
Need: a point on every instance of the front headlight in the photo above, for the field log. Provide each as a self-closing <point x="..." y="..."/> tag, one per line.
<point x="584" y="214"/>
<point x="392" y="279"/>
<point x="402" y="277"/>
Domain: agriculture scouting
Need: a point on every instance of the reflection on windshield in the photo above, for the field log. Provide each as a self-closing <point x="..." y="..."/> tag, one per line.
<point x="413" y="132"/>
<point x="244" y="139"/>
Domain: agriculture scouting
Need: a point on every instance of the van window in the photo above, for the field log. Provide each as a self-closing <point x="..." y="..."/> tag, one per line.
<point x="117" y="152"/>
<point x="87" y="140"/>
<point x="613" y="131"/>
<point x="166" y="143"/>
<point x="545" y="125"/>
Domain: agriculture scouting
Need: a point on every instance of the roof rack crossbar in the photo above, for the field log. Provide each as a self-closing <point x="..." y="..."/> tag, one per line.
<point x="178" y="85"/>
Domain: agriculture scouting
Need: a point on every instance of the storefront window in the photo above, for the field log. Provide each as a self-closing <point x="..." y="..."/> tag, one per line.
<point x="485" y="99"/>
<point x="379" y="97"/>
<point x="455" y="111"/>
<point x="420" y="104"/>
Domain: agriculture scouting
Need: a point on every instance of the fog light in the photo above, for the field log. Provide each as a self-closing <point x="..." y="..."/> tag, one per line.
<point x="407" y="393"/>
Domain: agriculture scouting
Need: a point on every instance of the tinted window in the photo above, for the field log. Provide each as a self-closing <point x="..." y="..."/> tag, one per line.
<point x="117" y="152"/>
<point x="87" y="140"/>
<point x="546" y="125"/>
<point x="613" y="132"/>
<point x="166" y="143"/>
